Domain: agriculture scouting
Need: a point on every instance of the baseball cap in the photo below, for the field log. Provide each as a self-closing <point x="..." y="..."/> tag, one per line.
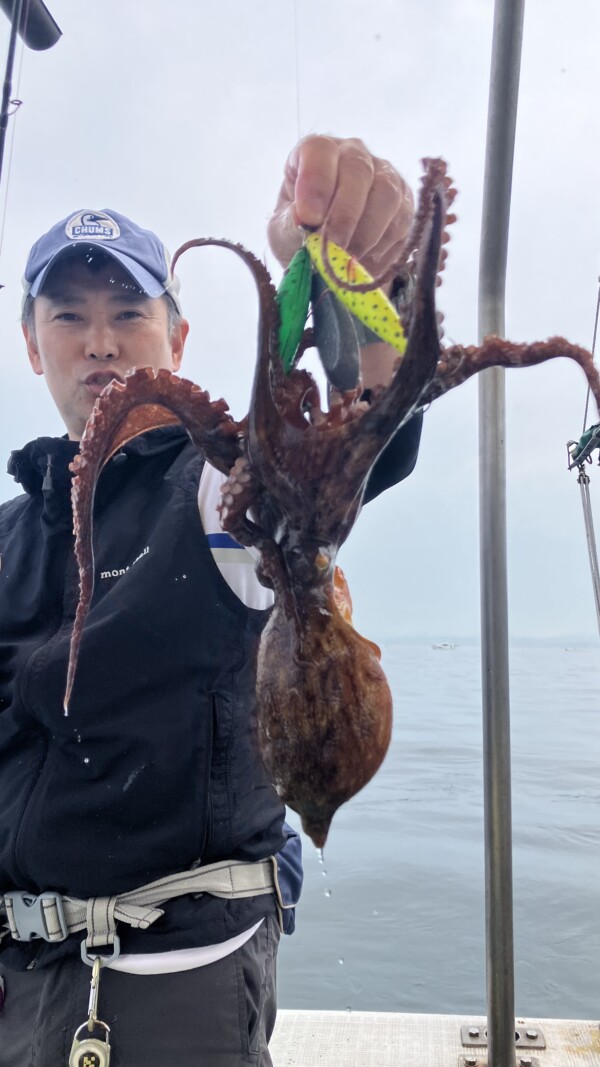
<point x="139" y="251"/>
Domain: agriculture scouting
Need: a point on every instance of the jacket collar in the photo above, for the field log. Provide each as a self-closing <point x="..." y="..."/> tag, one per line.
<point x="47" y="459"/>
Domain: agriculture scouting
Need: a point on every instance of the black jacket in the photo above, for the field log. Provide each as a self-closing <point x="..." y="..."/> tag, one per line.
<point x="155" y="768"/>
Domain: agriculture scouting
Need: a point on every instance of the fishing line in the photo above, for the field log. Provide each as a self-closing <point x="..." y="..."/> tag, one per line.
<point x="296" y="65"/>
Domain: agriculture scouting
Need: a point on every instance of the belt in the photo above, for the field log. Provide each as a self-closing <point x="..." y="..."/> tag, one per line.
<point x="53" y="917"/>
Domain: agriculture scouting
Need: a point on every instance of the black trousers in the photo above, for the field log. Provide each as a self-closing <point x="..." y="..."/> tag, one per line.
<point x="221" y="1015"/>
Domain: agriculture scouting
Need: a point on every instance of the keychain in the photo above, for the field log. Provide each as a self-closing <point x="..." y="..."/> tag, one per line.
<point x="90" y="1051"/>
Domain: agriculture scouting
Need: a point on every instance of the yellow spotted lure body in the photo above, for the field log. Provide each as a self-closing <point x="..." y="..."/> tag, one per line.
<point x="373" y="308"/>
<point x="348" y="280"/>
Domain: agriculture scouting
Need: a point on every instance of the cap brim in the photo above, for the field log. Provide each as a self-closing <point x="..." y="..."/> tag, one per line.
<point x="146" y="281"/>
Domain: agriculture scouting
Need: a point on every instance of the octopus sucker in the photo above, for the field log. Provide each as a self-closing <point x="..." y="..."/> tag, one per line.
<point x="295" y="480"/>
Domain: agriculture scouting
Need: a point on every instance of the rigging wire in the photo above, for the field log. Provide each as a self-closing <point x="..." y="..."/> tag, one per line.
<point x="583" y="481"/>
<point x="587" y="399"/>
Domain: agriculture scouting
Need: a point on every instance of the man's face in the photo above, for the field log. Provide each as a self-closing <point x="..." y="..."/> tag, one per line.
<point x="92" y="326"/>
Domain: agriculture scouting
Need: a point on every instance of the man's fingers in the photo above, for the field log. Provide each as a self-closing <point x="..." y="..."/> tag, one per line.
<point x="309" y="183"/>
<point x="336" y="183"/>
<point x="315" y="164"/>
<point x="386" y="217"/>
<point x="355" y="173"/>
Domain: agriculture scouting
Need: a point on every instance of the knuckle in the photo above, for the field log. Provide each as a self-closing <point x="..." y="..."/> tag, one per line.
<point x="387" y="187"/>
<point x="317" y="143"/>
<point x="389" y="180"/>
<point x="359" y="163"/>
<point x="354" y="144"/>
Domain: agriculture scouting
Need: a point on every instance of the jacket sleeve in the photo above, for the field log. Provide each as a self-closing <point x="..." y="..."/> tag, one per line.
<point x="397" y="460"/>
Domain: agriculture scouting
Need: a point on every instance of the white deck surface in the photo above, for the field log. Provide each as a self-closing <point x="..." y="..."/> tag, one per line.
<point x="389" y="1039"/>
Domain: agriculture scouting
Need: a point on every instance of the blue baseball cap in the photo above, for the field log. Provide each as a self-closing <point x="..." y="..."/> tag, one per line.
<point x="139" y="251"/>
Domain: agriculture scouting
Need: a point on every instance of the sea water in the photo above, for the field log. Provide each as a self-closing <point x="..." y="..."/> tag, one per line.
<point x="392" y="919"/>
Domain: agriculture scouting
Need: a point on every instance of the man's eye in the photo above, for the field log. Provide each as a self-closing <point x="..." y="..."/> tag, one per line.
<point x="66" y="316"/>
<point x="132" y="314"/>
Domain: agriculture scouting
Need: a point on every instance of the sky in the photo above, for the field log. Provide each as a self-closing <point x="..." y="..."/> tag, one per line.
<point x="182" y="116"/>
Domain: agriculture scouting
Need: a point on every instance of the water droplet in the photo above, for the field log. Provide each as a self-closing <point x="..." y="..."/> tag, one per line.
<point x="320" y="855"/>
<point x="184" y="575"/>
<point x="86" y="759"/>
<point x="328" y="892"/>
<point x="324" y="874"/>
<point x="348" y="1008"/>
<point x="341" y="961"/>
<point x="375" y="912"/>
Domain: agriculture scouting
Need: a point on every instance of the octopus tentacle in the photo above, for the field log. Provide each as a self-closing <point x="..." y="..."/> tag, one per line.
<point x="146" y="400"/>
<point x="394" y="404"/>
<point x="434" y="177"/>
<point x="270" y="379"/>
<point x="239" y="492"/>
<point x="458" y="364"/>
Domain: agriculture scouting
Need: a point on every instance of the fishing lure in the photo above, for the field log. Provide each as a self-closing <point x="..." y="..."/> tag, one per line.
<point x="293" y="298"/>
<point x="372" y="308"/>
<point x="335" y="337"/>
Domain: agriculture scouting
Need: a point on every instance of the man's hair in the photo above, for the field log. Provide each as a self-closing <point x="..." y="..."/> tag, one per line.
<point x="94" y="263"/>
<point x="28" y="315"/>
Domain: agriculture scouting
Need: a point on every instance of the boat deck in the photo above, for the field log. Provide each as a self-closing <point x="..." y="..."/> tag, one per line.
<point x="390" y="1039"/>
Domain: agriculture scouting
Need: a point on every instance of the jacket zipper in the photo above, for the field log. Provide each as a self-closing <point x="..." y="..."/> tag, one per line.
<point x="26" y="807"/>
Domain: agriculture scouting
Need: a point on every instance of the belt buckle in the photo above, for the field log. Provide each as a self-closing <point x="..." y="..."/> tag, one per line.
<point x="27" y="916"/>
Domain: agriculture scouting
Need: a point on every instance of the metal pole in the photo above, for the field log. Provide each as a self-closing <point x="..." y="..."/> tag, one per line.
<point x="6" y="90"/>
<point x="502" y="112"/>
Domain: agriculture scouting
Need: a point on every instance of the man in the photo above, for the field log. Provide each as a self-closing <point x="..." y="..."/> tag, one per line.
<point x="154" y="774"/>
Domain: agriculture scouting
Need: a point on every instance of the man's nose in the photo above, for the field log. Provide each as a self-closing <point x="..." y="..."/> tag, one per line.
<point x="101" y="342"/>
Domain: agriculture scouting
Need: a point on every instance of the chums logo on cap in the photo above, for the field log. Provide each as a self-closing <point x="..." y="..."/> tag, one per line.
<point x="92" y="224"/>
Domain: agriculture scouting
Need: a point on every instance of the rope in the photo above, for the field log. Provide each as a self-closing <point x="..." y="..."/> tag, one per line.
<point x="584" y="483"/>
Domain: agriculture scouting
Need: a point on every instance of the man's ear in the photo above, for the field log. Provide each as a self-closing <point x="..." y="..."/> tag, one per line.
<point x="177" y="342"/>
<point x="32" y="349"/>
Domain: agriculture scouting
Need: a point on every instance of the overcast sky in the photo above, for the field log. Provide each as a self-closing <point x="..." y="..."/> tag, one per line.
<point x="181" y="115"/>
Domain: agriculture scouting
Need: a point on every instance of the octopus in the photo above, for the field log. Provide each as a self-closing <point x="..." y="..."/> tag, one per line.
<point x="295" y="477"/>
